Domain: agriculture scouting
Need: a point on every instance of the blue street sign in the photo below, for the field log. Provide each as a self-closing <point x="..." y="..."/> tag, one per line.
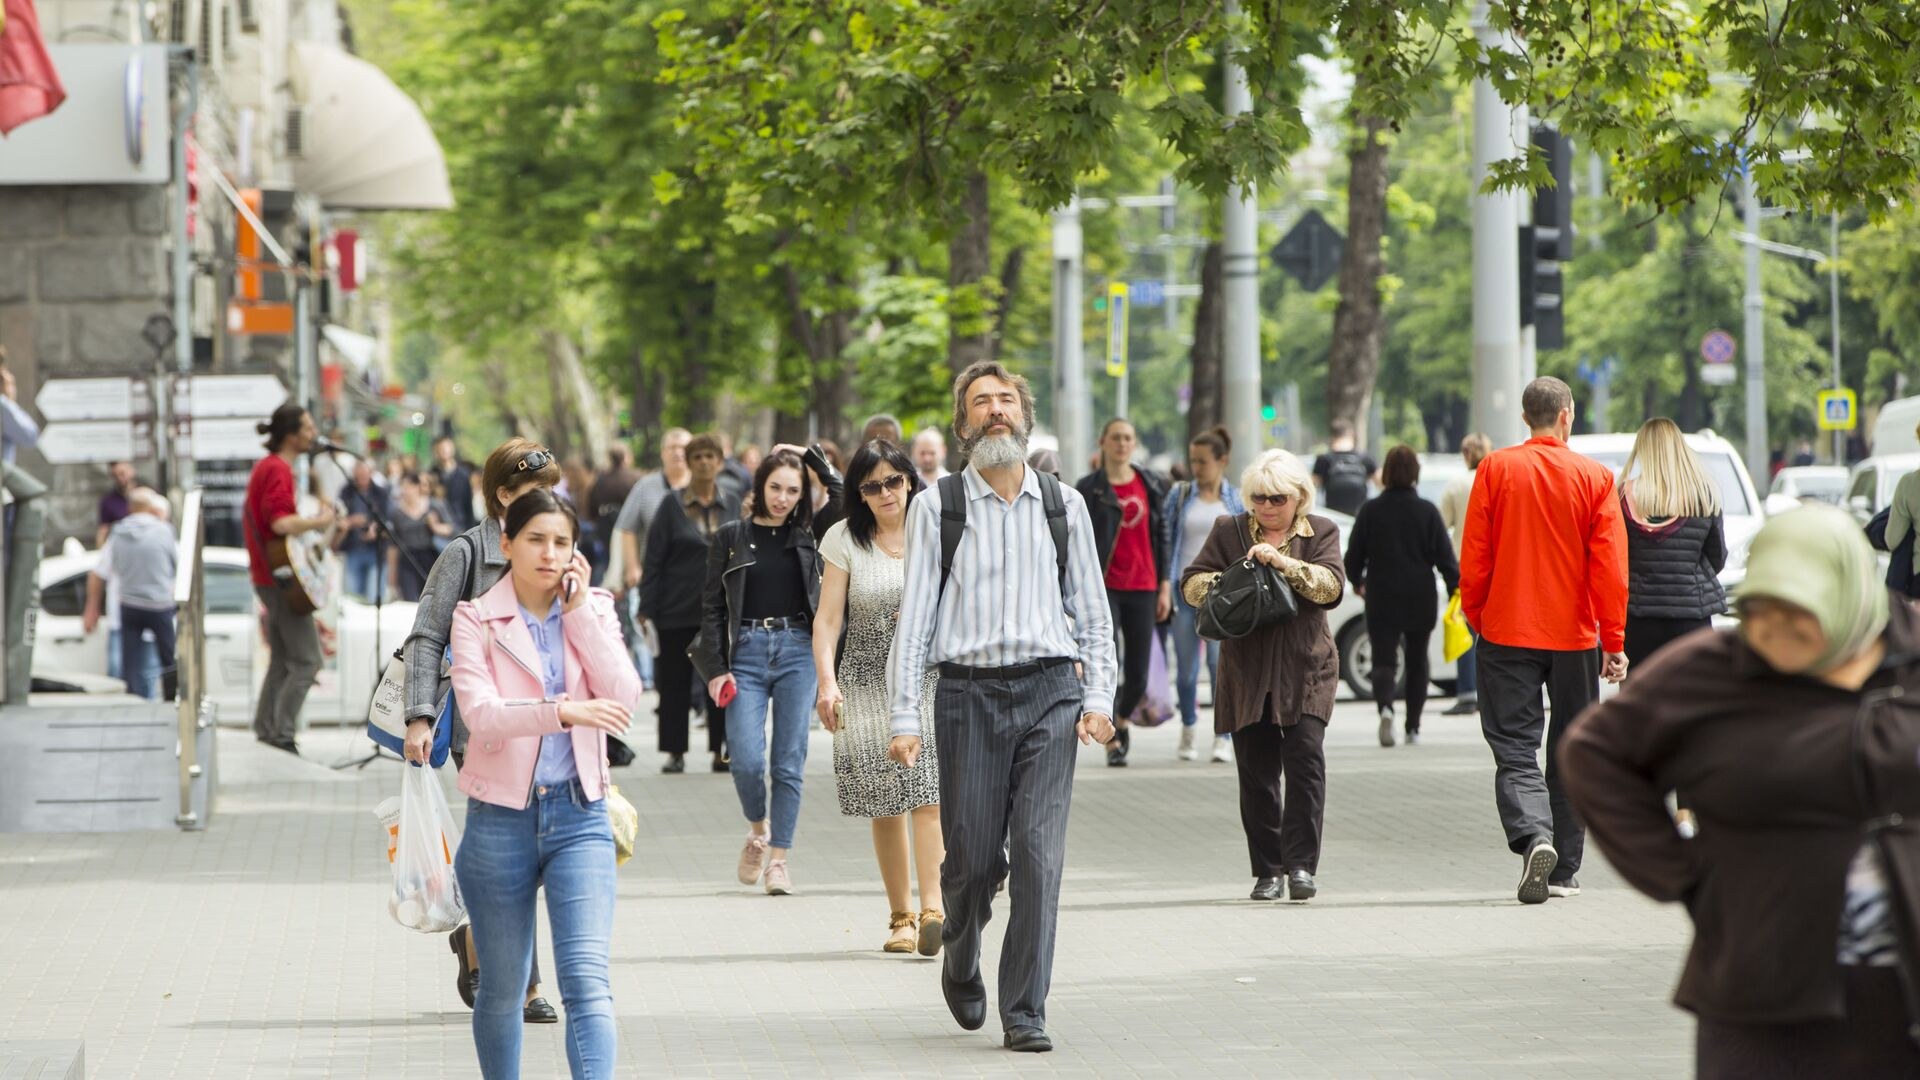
<point x="1147" y="293"/>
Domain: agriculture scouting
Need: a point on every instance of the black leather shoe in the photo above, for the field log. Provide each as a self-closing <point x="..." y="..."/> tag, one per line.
<point x="676" y="764"/>
<point x="467" y="982"/>
<point x="1028" y="1040"/>
<point x="539" y="1012"/>
<point x="966" y="1000"/>
<point x="1300" y="886"/>
<point x="1267" y="888"/>
<point x="1463" y="707"/>
<point x="1117" y="748"/>
<point x="721" y="764"/>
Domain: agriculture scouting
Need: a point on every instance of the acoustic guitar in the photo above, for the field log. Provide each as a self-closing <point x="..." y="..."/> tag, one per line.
<point x="303" y="565"/>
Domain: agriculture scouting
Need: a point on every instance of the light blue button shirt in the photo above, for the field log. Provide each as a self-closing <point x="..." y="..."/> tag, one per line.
<point x="556" y="764"/>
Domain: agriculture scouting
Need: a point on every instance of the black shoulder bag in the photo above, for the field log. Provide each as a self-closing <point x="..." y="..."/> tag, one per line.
<point x="1248" y="596"/>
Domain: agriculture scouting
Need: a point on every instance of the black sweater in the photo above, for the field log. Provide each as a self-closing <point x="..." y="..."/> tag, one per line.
<point x="1398" y="544"/>
<point x="1673" y="569"/>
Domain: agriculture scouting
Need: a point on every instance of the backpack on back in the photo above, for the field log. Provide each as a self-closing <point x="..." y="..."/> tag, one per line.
<point x="953" y="522"/>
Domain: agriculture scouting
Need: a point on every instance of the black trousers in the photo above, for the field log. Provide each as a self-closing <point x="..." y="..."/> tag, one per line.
<point x="1871" y="1043"/>
<point x="1511" y="720"/>
<point x="1647" y="635"/>
<point x="1282" y="821"/>
<point x="673" y="676"/>
<point x="1389" y="633"/>
<point x="1133" y="618"/>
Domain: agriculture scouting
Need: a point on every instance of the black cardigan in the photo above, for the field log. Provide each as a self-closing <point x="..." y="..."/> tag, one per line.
<point x="1399" y="542"/>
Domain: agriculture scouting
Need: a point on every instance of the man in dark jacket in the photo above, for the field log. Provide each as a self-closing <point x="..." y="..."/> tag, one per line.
<point x="1126" y="505"/>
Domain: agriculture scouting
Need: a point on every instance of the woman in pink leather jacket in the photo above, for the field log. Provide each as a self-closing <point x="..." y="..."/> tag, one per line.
<point x="542" y="678"/>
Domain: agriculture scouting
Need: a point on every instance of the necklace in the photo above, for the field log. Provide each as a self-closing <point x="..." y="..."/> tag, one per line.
<point x="892" y="553"/>
<point x="773" y="529"/>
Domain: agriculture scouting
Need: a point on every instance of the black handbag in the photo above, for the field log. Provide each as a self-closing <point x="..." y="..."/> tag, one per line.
<point x="1246" y="597"/>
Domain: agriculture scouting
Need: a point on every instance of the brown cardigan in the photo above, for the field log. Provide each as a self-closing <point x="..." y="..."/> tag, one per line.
<point x="1289" y="670"/>
<point x="1768" y="764"/>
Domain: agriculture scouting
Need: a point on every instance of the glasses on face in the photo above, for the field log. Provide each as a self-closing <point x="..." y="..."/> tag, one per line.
<point x="1268" y="500"/>
<point x="535" y="459"/>
<point x="872" y="488"/>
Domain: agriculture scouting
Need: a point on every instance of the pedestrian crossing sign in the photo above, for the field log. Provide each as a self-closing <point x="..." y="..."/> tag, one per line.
<point x="1838" y="410"/>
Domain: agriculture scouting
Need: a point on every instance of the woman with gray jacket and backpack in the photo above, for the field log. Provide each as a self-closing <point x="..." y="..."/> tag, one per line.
<point x="471" y="564"/>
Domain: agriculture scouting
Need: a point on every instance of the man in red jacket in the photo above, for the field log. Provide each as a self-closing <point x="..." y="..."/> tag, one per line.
<point x="1543" y="580"/>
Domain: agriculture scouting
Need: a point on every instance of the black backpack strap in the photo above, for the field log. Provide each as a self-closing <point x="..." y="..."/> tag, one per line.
<point x="953" y="522"/>
<point x="1056" y="507"/>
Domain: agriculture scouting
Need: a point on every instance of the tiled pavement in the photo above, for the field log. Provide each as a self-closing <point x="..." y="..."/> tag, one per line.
<point x="262" y="947"/>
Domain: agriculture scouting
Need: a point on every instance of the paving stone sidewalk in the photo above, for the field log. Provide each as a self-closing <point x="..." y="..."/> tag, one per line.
<point x="262" y="947"/>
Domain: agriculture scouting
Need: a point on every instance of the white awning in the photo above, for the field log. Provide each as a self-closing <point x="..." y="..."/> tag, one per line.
<point x="357" y="349"/>
<point x="364" y="144"/>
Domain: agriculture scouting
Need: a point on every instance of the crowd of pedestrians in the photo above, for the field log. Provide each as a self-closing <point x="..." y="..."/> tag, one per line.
<point x="960" y="634"/>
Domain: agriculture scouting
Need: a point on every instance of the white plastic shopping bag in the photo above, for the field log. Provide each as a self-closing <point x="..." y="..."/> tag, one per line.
<point x="422" y="842"/>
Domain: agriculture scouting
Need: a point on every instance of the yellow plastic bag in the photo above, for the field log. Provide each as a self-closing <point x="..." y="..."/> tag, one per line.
<point x="1458" y="637"/>
<point x="626" y="825"/>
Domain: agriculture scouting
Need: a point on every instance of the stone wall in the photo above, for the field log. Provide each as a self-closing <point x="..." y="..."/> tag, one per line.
<point x="81" y="271"/>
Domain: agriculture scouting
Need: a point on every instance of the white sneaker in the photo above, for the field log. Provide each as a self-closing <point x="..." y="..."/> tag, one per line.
<point x="1223" y="749"/>
<point x="1386" y="727"/>
<point x="1187" y="750"/>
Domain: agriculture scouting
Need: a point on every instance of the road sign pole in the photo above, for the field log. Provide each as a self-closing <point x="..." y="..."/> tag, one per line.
<point x="1071" y="403"/>
<point x="1756" y="332"/>
<point x="1833" y="305"/>
<point x="1240" y="281"/>
<point x="1496" y="260"/>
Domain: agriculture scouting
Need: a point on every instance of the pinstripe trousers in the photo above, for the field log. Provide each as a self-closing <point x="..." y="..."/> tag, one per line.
<point x="1007" y="751"/>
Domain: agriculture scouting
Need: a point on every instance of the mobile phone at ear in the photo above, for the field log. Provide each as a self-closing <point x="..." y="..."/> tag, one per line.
<point x="566" y="589"/>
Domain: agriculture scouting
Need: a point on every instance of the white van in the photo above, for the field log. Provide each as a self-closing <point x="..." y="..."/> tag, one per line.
<point x="1893" y="428"/>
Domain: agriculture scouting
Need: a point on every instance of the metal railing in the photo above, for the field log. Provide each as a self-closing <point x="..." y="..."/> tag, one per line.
<point x="190" y="657"/>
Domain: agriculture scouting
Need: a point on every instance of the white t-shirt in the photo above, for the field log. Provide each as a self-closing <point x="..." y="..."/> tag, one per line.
<point x="1194" y="529"/>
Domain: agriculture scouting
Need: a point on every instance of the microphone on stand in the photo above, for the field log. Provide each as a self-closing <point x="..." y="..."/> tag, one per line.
<point x="322" y="446"/>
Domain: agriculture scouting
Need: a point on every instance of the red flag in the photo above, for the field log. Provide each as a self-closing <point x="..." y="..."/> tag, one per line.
<point x="29" y="87"/>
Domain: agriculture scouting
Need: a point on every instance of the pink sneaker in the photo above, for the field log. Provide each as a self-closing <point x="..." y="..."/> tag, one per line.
<point x="778" y="883"/>
<point x="753" y="858"/>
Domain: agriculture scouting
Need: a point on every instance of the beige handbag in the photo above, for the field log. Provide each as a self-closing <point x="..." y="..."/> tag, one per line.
<point x="626" y="825"/>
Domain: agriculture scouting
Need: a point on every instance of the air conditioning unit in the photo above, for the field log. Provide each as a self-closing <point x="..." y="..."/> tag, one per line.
<point x="249" y="15"/>
<point x="296" y="132"/>
<point x="183" y="18"/>
<point x="206" y="40"/>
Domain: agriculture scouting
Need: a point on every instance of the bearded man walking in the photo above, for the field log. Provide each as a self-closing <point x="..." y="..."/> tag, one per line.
<point x="1015" y="549"/>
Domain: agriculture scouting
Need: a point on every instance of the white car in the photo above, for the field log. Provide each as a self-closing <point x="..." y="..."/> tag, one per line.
<point x="236" y="651"/>
<point x="1348" y="621"/>
<point x="1806" y="483"/>
<point x="1870" y="485"/>
<point x="1740" y="505"/>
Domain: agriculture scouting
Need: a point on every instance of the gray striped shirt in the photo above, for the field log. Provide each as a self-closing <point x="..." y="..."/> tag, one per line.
<point x="1003" y="604"/>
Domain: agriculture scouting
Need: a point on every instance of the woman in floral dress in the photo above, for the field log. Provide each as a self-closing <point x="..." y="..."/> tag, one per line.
<point x="860" y="592"/>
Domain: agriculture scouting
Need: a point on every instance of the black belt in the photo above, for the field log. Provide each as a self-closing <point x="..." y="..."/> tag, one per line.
<point x="790" y="622"/>
<point x="1003" y="674"/>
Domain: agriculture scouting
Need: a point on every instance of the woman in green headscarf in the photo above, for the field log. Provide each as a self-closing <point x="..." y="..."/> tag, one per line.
<point x="1797" y="741"/>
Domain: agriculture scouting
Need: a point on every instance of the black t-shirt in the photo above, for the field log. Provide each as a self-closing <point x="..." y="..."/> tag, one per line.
<point x="775" y="589"/>
<point x="1343" y="479"/>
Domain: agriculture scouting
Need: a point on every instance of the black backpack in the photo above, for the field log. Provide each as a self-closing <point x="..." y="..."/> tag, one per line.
<point x="953" y="522"/>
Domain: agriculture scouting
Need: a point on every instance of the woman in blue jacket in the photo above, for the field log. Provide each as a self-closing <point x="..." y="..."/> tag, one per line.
<point x="1191" y="509"/>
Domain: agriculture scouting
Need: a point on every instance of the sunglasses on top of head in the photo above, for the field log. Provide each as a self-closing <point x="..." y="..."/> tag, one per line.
<point x="1268" y="500"/>
<point x="872" y="488"/>
<point x="535" y="459"/>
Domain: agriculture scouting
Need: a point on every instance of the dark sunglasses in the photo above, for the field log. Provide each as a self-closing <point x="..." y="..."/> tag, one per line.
<point x="535" y="459"/>
<point x="872" y="488"/>
<point x="1269" y="500"/>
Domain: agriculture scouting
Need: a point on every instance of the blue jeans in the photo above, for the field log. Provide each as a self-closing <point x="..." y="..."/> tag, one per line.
<point x="1463" y="672"/>
<point x="1188" y="647"/>
<point x="565" y="843"/>
<point x="145" y="666"/>
<point x="771" y="667"/>
<point x="150" y="665"/>
<point x="366" y="571"/>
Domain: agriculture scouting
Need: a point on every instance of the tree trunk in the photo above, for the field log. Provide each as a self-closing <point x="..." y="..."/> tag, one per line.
<point x="559" y="425"/>
<point x="1353" y="360"/>
<point x="690" y="381"/>
<point x="970" y="300"/>
<point x="582" y="402"/>
<point x="1008" y="287"/>
<point x="824" y="340"/>
<point x="1205" y="408"/>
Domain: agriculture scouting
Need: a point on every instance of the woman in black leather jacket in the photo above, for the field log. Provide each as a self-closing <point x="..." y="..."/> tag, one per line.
<point x="756" y="648"/>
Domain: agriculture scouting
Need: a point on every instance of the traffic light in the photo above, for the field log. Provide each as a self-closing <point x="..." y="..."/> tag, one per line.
<point x="1268" y="412"/>
<point x="1547" y="243"/>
